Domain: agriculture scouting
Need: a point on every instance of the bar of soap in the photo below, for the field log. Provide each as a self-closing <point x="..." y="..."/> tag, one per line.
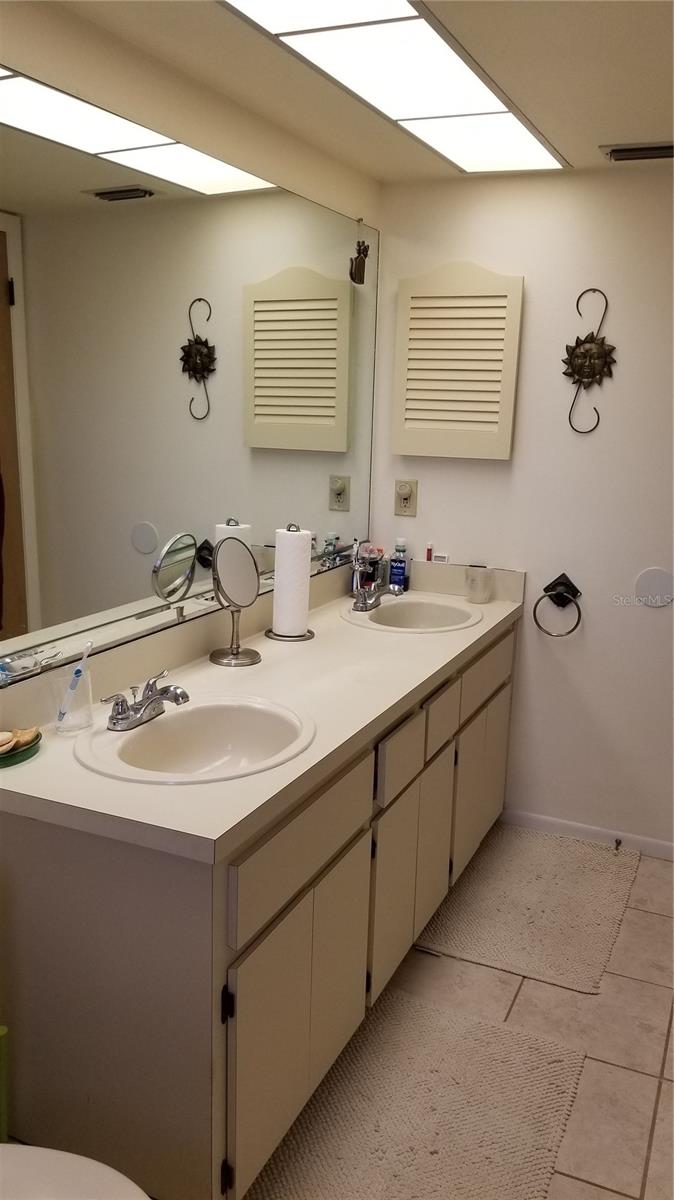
<point x="23" y="737"/>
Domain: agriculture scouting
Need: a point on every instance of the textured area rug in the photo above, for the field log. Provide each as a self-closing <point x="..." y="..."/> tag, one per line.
<point x="422" y="1105"/>
<point x="540" y="905"/>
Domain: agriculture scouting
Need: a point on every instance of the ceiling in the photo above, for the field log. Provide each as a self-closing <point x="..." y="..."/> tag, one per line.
<point x="584" y="72"/>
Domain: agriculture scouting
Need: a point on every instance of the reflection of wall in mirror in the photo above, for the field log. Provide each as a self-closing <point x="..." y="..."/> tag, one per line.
<point x="107" y="294"/>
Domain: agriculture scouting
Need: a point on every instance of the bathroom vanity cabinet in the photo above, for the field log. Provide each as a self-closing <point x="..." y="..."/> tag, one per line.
<point x="172" y="1017"/>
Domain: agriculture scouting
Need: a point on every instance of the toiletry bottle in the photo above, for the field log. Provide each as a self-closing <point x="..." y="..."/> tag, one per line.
<point x="398" y="568"/>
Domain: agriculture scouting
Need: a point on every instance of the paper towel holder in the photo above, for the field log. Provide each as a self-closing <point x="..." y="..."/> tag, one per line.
<point x="287" y="637"/>
<point x="234" y="561"/>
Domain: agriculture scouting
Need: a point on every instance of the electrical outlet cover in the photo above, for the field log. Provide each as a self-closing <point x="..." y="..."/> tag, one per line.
<point x="405" y="503"/>
<point x="340" y="493"/>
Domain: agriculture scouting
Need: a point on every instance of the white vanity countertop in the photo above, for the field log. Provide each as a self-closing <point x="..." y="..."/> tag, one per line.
<point x="355" y="683"/>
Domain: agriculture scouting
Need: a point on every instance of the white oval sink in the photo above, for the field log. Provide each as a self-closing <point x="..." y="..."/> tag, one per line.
<point x="203" y="742"/>
<point x="418" y="612"/>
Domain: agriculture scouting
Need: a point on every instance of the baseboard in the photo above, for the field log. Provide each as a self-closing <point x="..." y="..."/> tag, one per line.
<point x="593" y="833"/>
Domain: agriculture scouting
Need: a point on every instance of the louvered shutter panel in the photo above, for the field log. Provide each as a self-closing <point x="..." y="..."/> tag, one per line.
<point x="297" y="327"/>
<point x="456" y="363"/>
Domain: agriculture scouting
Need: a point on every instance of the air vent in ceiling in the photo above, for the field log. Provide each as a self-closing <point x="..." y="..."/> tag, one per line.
<point x="122" y="193"/>
<point x="638" y="153"/>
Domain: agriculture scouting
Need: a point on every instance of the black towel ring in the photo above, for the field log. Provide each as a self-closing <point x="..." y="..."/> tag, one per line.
<point x="562" y="592"/>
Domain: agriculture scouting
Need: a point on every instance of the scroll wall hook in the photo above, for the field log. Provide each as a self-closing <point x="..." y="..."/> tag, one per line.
<point x="588" y="360"/>
<point x="198" y="358"/>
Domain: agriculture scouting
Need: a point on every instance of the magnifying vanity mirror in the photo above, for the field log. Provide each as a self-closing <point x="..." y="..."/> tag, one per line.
<point x="103" y="440"/>
<point x="236" y="583"/>
<point x="173" y="572"/>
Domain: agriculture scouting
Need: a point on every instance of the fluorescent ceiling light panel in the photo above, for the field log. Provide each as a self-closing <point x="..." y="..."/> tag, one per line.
<point x="402" y="68"/>
<point x="38" y="109"/>
<point x="286" y="16"/>
<point x="189" y="168"/>
<point x="496" y="142"/>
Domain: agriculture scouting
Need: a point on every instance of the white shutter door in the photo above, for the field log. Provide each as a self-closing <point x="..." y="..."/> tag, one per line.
<point x="297" y="327"/>
<point x="456" y="363"/>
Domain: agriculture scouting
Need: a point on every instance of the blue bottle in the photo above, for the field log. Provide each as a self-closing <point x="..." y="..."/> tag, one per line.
<point x="398" y="568"/>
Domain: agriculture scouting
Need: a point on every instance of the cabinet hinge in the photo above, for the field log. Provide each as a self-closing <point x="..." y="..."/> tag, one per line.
<point x="11" y="297"/>
<point x="226" y="1177"/>
<point x="368" y="981"/>
<point x="227" y="1004"/>
<point x="373" y="849"/>
<point x="456" y="755"/>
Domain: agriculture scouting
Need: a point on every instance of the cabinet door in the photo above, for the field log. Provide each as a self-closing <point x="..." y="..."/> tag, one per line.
<point x="268" y="1042"/>
<point x="435" y="832"/>
<point x="394" y="879"/>
<point x="339" y="963"/>
<point x="480" y="783"/>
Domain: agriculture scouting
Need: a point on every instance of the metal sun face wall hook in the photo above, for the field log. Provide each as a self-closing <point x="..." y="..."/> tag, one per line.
<point x="198" y="358"/>
<point x="589" y="360"/>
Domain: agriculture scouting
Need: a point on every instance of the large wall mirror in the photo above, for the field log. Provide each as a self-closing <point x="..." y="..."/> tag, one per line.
<point x="102" y="460"/>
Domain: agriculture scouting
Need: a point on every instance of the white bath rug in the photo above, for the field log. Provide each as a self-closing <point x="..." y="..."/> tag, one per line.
<point x="539" y="905"/>
<point x="422" y="1105"/>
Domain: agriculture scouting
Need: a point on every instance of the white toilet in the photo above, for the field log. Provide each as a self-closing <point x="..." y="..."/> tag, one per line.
<point x="32" y="1173"/>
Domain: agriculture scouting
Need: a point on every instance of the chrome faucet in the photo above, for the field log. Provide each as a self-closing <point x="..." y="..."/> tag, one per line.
<point x="125" y="716"/>
<point x="366" y="599"/>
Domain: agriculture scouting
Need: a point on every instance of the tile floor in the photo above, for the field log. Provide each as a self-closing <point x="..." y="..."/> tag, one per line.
<point x="618" y="1141"/>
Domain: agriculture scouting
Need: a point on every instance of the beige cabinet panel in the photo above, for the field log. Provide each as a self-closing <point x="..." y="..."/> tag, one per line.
<point x="267" y="877"/>
<point x="442" y="717"/>
<point x="435" y="832"/>
<point x="400" y="757"/>
<point x="480" y="782"/>
<point x="339" y="962"/>
<point x="393" y="887"/>
<point x="481" y="680"/>
<point x="268" y="1042"/>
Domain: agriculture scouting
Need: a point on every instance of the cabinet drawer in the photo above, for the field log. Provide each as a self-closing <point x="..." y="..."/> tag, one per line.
<point x="442" y="717"/>
<point x="400" y="757"/>
<point x="263" y="881"/>
<point x="480" y="681"/>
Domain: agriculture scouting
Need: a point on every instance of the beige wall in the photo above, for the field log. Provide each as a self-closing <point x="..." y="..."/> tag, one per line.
<point x="592" y="725"/>
<point x="45" y="41"/>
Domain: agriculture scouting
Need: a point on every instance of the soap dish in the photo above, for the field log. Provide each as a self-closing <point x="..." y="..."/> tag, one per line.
<point x="13" y="757"/>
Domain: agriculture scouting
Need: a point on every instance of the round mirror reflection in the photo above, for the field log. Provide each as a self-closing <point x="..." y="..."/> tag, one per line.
<point x="173" y="572"/>
<point x="236" y="578"/>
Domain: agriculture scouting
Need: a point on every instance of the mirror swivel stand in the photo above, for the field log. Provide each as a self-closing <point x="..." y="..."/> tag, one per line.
<point x="233" y="655"/>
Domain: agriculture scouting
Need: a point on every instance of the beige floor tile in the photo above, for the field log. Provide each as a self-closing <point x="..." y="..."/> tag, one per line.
<point x="643" y="948"/>
<point x="625" y="1024"/>
<point x="562" y="1188"/>
<point x="464" y="987"/>
<point x="669" y="1061"/>
<point x="653" y="888"/>
<point x="660" y="1182"/>
<point x="606" y="1139"/>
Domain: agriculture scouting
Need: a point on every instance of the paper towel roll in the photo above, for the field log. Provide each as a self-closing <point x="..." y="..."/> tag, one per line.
<point x="292" y="573"/>
<point x="243" y="532"/>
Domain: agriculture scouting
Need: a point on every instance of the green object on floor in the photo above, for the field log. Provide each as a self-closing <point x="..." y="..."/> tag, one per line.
<point x="4" y="1089"/>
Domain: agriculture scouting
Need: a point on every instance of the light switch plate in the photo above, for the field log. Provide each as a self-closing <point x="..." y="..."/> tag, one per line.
<point x="405" y="503"/>
<point x="340" y="493"/>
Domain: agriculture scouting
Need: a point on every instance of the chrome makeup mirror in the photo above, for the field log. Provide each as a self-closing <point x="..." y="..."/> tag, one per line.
<point x="236" y="583"/>
<point x="173" y="572"/>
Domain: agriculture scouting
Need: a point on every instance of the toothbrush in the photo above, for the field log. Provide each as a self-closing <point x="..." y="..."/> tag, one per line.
<point x="72" y="686"/>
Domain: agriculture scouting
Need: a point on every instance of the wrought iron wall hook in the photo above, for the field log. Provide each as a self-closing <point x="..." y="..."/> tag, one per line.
<point x="588" y="360"/>
<point x="198" y="358"/>
<point x="357" y="264"/>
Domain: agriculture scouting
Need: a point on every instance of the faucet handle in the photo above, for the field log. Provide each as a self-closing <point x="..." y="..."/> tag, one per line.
<point x="151" y="685"/>
<point x="120" y="704"/>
